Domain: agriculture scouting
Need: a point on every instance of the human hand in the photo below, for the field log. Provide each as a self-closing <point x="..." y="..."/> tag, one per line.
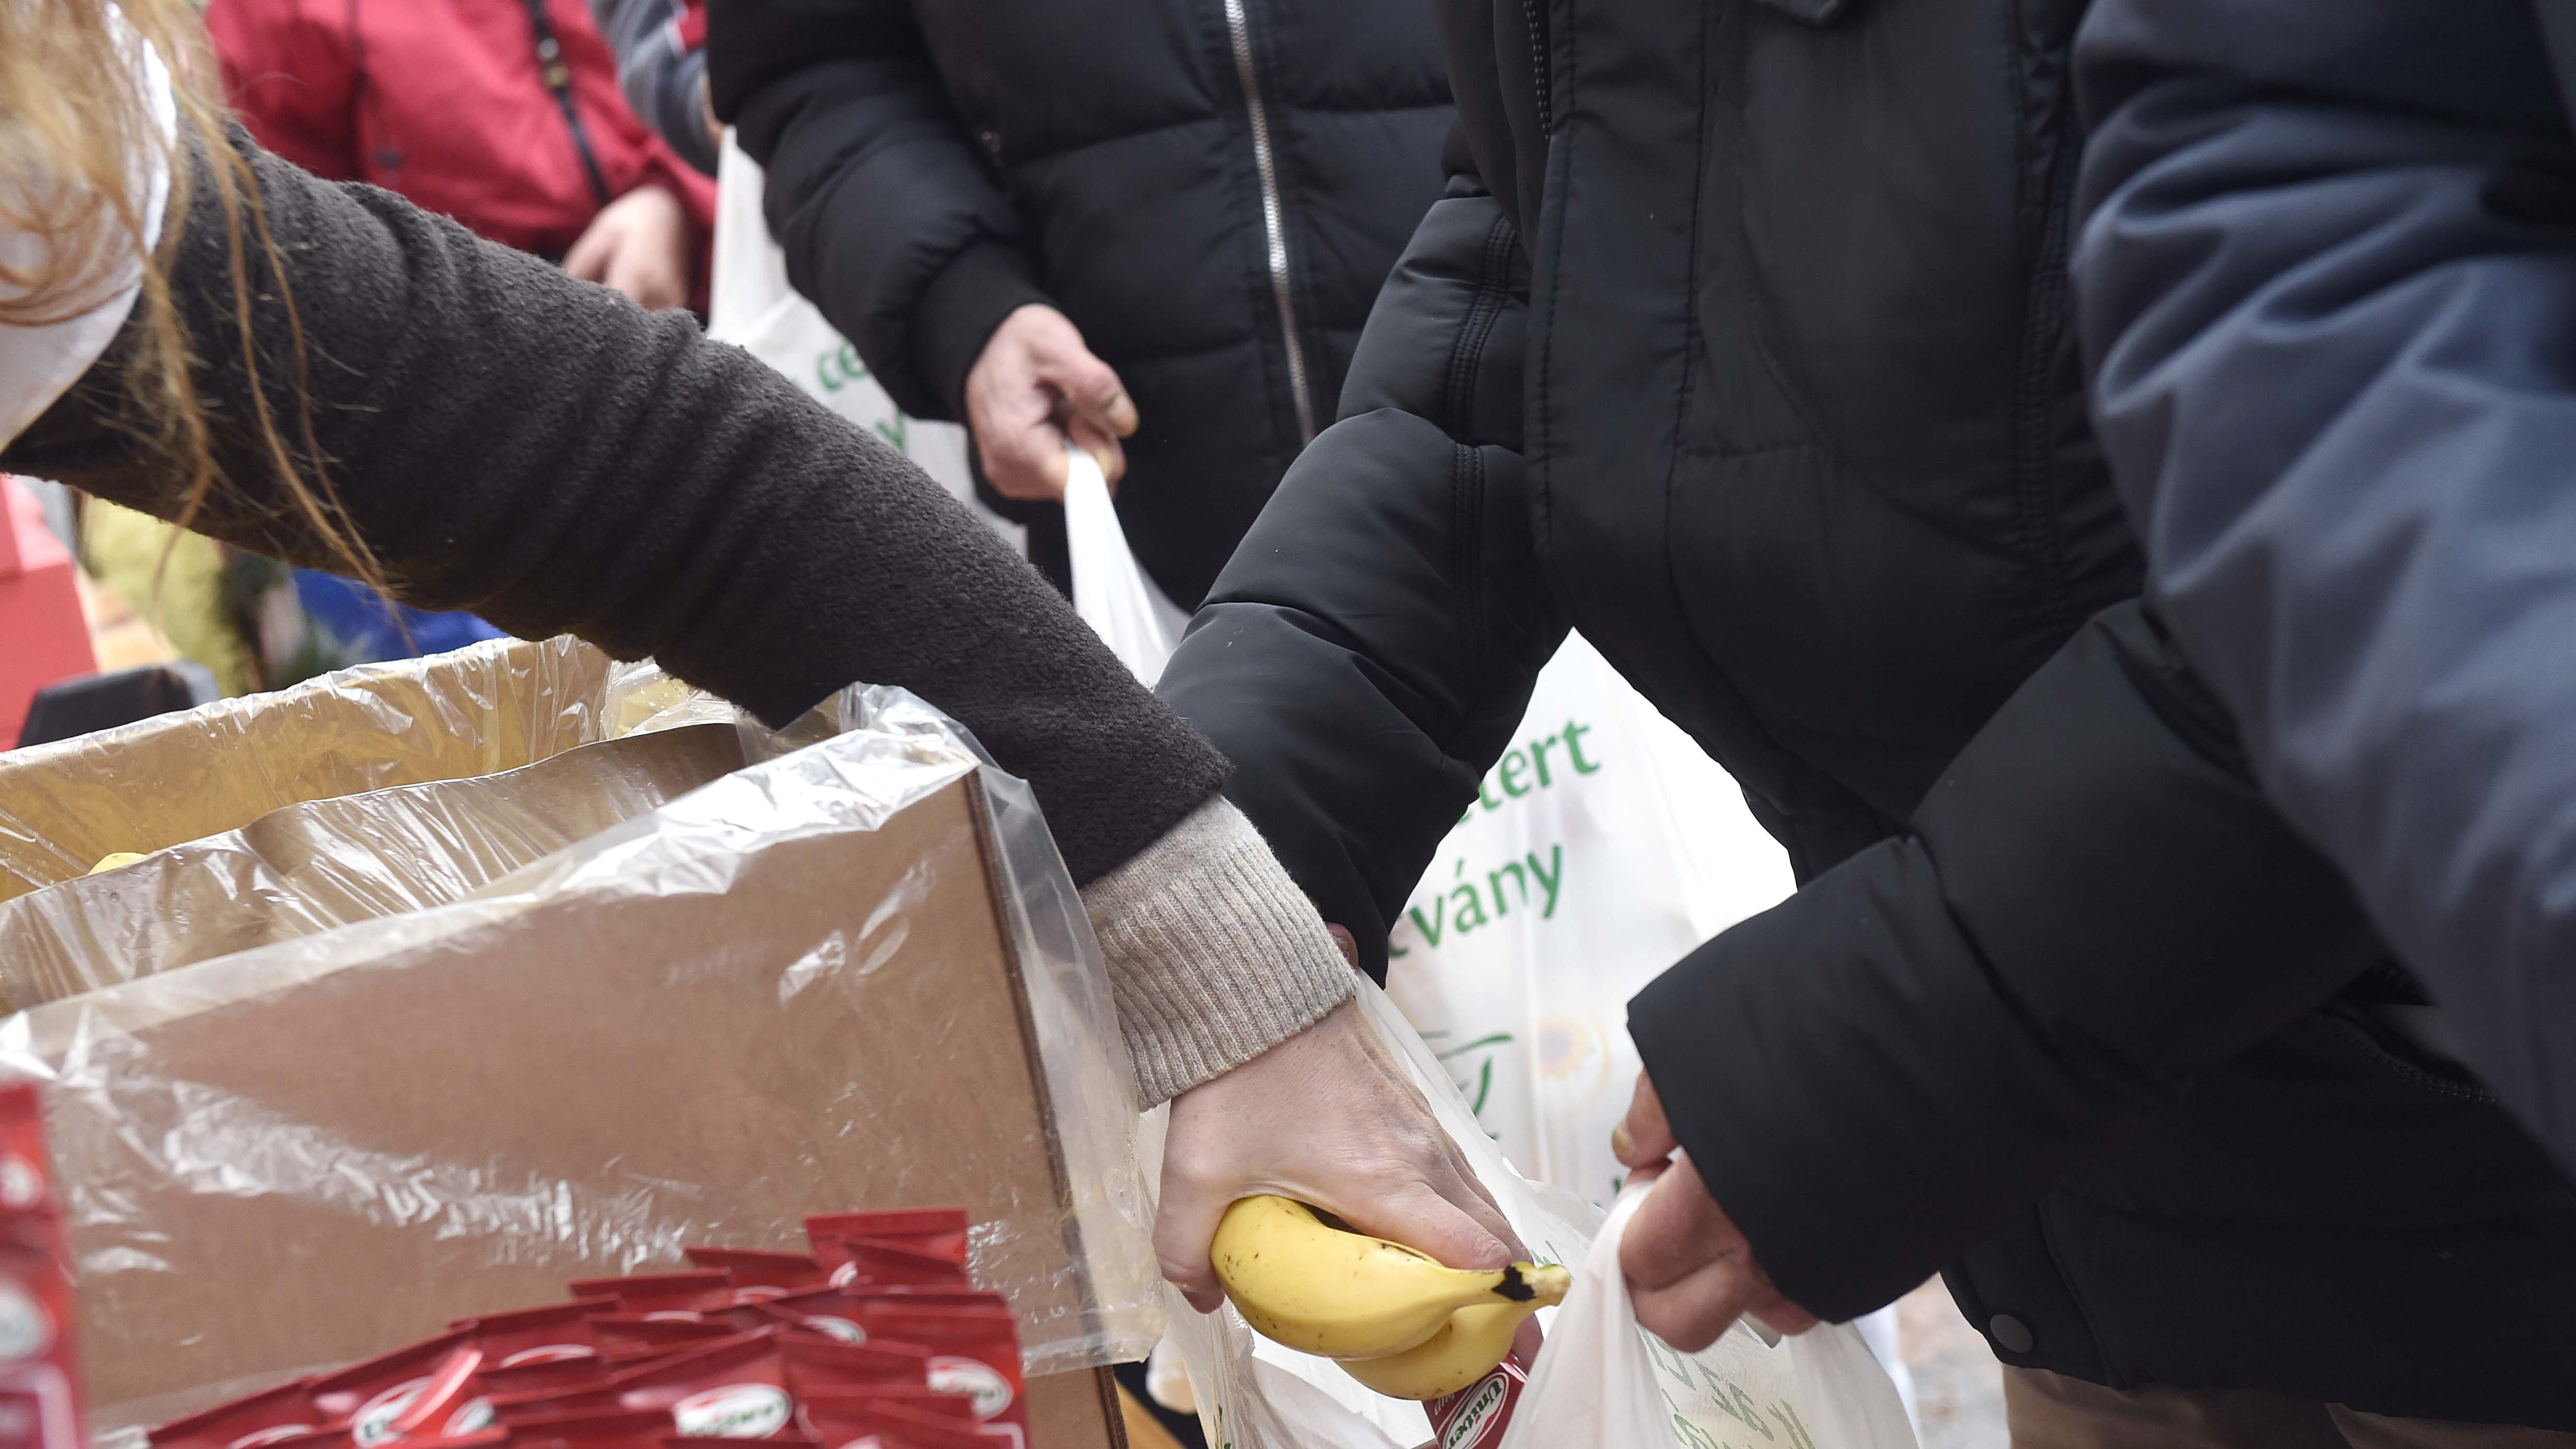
<point x="1690" y="1271"/>
<point x="640" y="244"/>
<point x="1035" y="388"/>
<point x="1326" y="1117"/>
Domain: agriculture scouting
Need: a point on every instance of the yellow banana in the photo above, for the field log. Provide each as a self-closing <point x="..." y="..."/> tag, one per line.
<point x="1474" y="1340"/>
<point x="117" y="860"/>
<point x="1322" y="1289"/>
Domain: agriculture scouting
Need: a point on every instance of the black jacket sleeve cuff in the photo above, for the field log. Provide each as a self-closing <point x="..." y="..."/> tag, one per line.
<point x="959" y="310"/>
<point x="2097" y="905"/>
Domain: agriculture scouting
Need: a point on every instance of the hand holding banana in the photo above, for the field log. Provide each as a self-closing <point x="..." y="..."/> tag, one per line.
<point x="1399" y="1321"/>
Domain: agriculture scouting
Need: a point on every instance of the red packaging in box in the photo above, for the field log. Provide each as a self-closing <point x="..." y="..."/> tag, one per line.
<point x="827" y="1311"/>
<point x="515" y="1409"/>
<point x="626" y="1335"/>
<point x="755" y="1275"/>
<point x="39" y="1377"/>
<point x="676" y="1294"/>
<point x="924" y="1246"/>
<point x="850" y="1422"/>
<point x="450" y="1406"/>
<point x="251" y="1423"/>
<point x="735" y="1388"/>
<point x="546" y="1376"/>
<point x="975" y="1350"/>
<point x="369" y="1396"/>
<point x="536" y="1335"/>
<point x="596" y="1429"/>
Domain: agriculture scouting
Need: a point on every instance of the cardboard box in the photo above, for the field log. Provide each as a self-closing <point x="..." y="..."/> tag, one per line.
<point x="826" y="981"/>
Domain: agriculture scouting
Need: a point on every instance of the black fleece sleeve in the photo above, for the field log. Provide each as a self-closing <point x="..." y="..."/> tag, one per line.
<point x="2096" y="904"/>
<point x="544" y="453"/>
<point x="893" y="219"/>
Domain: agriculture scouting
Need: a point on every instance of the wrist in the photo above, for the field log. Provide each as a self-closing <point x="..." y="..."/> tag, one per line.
<point x="1214" y="955"/>
<point x="961" y="309"/>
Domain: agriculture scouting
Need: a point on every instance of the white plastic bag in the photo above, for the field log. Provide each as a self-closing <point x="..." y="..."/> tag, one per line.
<point x="1603" y="847"/>
<point x="1603" y="1383"/>
<point x="1110" y="592"/>
<point x="751" y="304"/>
<point x="1255" y="1394"/>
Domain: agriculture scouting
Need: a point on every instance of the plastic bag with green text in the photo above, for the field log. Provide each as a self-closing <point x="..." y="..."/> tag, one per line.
<point x="1600" y="1383"/>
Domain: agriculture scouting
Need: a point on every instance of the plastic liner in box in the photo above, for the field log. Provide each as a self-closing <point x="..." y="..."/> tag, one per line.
<point x="186" y="1160"/>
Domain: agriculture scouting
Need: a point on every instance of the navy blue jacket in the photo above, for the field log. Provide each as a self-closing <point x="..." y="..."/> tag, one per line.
<point x="2329" y="295"/>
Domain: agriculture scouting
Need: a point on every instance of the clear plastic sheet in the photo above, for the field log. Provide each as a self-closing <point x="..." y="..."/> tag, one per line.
<point x="852" y="973"/>
<point x="161" y="782"/>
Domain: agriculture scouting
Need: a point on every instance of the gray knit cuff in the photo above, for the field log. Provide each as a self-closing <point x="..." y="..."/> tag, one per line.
<point x="1214" y="954"/>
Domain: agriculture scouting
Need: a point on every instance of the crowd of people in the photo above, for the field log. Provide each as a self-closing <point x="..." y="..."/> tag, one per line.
<point x="2093" y="473"/>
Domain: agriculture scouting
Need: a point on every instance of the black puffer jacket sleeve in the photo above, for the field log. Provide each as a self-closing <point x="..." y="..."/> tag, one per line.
<point x="542" y="452"/>
<point x="2093" y="905"/>
<point x="1374" y="641"/>
<point x="2329" y="292"/>
<point x="893" y="221"/>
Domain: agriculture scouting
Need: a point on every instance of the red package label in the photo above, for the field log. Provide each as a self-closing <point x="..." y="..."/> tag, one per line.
<point x="975" y="1351"/>
<point x="255" y="1422"/>
<point x="735" y="1388"/>
<point x="1475" y="1417"/>
<point x="621" y="1333"/>
<point x="831" y="1317"/>
<point x="39" y="1376"/>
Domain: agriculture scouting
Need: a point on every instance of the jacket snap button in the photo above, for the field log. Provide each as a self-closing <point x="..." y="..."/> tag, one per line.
<point x="2010" y="1334"/>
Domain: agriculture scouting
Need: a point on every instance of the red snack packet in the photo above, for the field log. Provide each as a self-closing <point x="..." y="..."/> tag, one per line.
<point x="975" y="1351"/>
<point x="925" y="1246"/>
<point x="512" y="1410"/>
<point x="620" y="1335"/>
<point x="554" y="1332"/>
<point x="256" y="1422"/>
<point x="828" y="1312"/>
<point x="835" y="1418"/>
<point x="546" y="1376"/>
<point x="39" y="1376"/>
<point x="734" y="1388"/>
<point x="595" y="1429"/>
<point x="757" y="1275"/>
<point x="1475" y="1417"/>
<point x="369" y="1396"/>
<point x="671" y="1293"/>
<point x="449" y="1406"/>
<point x="817" y="1365"/>
<point x="850" y="1422"/>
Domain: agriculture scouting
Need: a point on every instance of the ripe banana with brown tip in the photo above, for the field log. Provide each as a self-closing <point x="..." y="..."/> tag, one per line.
<point x="1465" y="1350"/>
<point x="1319" y="1288"/>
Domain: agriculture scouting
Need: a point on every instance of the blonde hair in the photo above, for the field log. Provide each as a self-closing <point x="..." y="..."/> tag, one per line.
<point x="75" y="115"/>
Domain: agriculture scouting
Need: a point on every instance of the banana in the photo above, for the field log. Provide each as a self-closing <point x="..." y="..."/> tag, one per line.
<point x="1474" y="1340"/>
<point x="117" y="860"/>
<point x="1321" y="1289"/>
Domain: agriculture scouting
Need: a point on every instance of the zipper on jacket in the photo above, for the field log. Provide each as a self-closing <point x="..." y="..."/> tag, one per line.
<point x="1534" y="16"/>
<point x="1274" y="216"/>
<point x="556" y="72"/>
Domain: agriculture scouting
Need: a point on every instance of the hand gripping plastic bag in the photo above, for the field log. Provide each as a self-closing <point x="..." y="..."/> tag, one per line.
<point x="1110" y="592"/>
<point x="1604" y="1383"/>
<point x="1819" y="1390"/>
<point x="751" y="303"/>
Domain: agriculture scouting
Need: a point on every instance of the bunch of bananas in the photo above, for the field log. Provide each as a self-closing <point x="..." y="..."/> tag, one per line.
<point x="1398" y="1321"/>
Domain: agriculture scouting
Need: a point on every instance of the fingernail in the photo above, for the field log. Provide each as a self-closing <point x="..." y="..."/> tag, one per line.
<point x="1622" y="1142"/>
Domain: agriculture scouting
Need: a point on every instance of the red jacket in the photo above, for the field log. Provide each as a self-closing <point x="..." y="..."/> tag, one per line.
<point x="447" y="103"/>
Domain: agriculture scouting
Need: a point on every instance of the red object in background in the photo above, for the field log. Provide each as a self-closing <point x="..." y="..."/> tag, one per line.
<point x="446" y="102"/>
<point x="40" y="610"/>
<point x="922" y="1247"/>
<point x="39" y="1378"/>
<point x="975" y="1351"/>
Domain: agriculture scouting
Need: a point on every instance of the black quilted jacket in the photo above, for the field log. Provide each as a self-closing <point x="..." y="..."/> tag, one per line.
<point x="1213" y="190"/>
